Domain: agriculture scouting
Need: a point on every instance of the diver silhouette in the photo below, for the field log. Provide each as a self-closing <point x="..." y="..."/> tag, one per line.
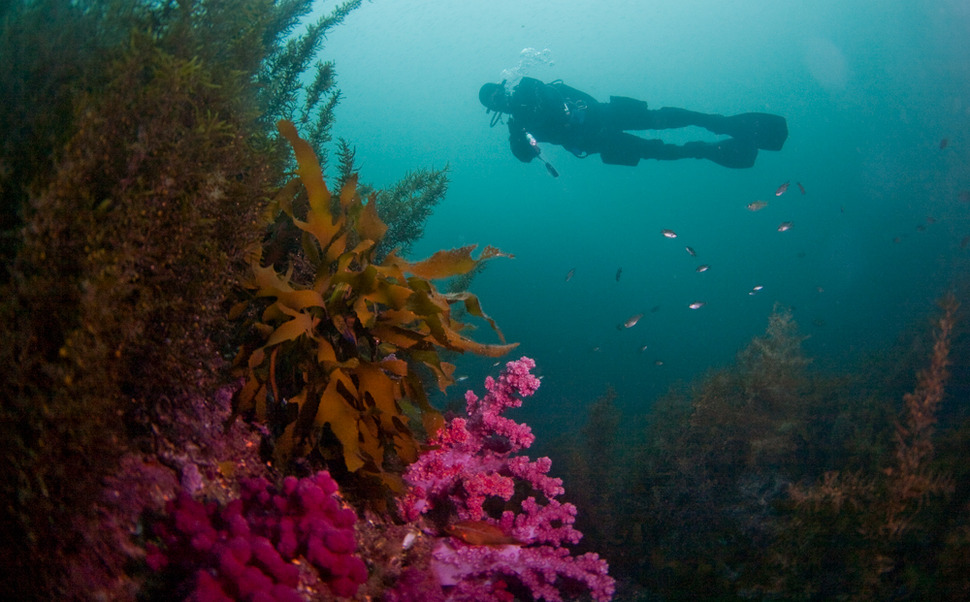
<point x="559" y="114"/>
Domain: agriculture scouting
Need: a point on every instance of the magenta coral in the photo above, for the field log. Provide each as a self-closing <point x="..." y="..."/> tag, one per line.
<point x="470" y="462"/>
<point x="244" y="551"/>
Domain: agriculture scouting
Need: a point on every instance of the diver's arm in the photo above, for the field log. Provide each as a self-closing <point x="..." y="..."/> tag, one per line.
<point x="519" y="143"/>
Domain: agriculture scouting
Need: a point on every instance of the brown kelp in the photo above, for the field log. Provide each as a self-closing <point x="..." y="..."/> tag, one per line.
<point x="343" y="336"/>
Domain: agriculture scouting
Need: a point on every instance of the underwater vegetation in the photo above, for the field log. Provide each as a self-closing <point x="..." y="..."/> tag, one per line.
<point x="769" y="480"/>
<point x="344" y="333"/>
<point x="194" y="326"/>
<point x="114" y="307"/>
<point x="139" y="156"/>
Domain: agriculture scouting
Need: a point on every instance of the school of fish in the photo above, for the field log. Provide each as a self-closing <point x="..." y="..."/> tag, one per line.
<point x="473" y="531"/>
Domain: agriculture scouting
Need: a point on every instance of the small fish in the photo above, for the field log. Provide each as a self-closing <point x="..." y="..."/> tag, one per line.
<point x="480" y="533"/>
<point x="781" y="189"/>
<point x="944" y="143"/>
<point x="618" y="272"/>
<point x="658" y="363"/>
<point x="461" y="378"/>
<point x="570" y="274"/>
<point x="784" y="226"/>
<point x="964" y="196"/>
<point x="697" y="305"/>
<point x="654" y="309"/>
<point x="691" y="251"/>
<point x="755" y="290"/>
<point x="668" y="233"/>
<point x="632" y="321"/>
<point x="702" y="268"/>
<point x="800" y="187"/>
<point x="756" y="205"/>
<point x="930" y="219"/>
<point x="964" y="242"/>
<point x="643" y="348"/>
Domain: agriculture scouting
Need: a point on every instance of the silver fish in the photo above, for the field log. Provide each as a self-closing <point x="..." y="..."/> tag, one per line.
<point x="702" y="268"/>
<point x="784" y="226"/>
<point x="668" y="233"/>
<point x="697" y="305"/>
<point x="632" y="321"/>
<point x="691" y="251"/>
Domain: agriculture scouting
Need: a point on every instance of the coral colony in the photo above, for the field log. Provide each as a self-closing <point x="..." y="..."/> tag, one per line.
<point x="243" y="551"/>
<point x="267" y="543"/>
<point x="472" y="462"/>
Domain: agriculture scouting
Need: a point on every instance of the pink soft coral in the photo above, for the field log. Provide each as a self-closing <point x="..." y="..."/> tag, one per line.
<point x="471" y="460"/>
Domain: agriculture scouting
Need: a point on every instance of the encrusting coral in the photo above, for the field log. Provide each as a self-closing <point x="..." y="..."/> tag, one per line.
<point x="248" y="549"/>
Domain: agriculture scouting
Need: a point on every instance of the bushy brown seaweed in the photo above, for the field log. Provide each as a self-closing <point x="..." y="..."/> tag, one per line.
<point x="765" y="480"/>
<point x="133" y="168"/>
<point x="874" y="514"/>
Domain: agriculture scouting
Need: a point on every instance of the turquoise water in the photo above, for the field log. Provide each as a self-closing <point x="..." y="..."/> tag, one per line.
<point x="869" y="90"/>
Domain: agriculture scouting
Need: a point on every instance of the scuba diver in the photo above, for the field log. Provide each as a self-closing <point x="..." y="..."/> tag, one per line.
<point x="559" y="114"/>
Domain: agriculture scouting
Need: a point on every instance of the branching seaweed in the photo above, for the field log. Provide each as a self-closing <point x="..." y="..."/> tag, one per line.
<point x="407" y="206"/>
<point x="288" y="62"/>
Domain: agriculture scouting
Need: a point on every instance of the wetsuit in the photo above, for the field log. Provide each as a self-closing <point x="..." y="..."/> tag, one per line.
<point x="559" y="114"/>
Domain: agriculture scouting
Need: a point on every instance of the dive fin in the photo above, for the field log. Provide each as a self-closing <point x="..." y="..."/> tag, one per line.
<point x="762" y="130"/>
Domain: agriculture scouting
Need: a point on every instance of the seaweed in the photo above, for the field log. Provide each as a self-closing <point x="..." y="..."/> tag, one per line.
<point x="766" y="480"/>
<point x="344" y="336"/>
<point x="135" y="162"/>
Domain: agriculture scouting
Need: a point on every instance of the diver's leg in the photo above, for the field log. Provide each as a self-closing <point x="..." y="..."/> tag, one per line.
<point x="630" y="114"/>
<point x="731" y="153"/>
<point x="620" y="148"/>
<point x="669" y="118"/>
<point x="761" y="130"/>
